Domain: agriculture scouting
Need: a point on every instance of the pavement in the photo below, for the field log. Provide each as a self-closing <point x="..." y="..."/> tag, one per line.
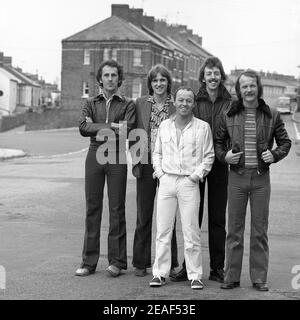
<point x="6" y="154"/>
<point x="42" y="225"/>
<point x="24" y="144"/>
<point x="296" y="123"/>
<point x="41" y="143"/>
<point x="21" y="138"/>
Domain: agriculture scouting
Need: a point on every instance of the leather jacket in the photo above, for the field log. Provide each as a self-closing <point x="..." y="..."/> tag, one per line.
<point x="211" y="112"/>
<point x="269" y="126"/>
<point x="121" y="109"/>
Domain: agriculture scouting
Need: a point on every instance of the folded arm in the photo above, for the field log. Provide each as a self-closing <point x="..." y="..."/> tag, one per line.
<point x="88" y="128"/>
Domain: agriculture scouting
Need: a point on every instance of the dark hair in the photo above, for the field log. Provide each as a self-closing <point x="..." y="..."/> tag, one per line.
<point x="211" y="62"/>
<point x="159" y="68"/>
<point x="252" y="74"/>
<point x="113" y="64"/>
<point x="184" y="88"/>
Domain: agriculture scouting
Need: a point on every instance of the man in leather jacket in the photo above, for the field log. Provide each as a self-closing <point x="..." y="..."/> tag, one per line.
<point x="250" y="126"/>
<point x="106" y="119"/>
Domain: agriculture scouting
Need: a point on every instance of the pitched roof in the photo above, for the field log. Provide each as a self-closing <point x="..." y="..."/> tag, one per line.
<point x="113" y="28"/>
<point x="20" y="76"/>
<point x="188" y="44"/>
<point x="180" y="46"/>
<point x="150" y="36"/>
<point x="202" y="50"/>
<point x="172" y="45"/>
<point x="9" y="74"/>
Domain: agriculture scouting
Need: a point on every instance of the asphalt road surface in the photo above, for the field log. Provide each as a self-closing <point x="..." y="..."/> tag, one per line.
<point x="42" y="212"/>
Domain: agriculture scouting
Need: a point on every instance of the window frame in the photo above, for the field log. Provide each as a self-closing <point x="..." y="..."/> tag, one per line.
<point x="85" y="89"/>
<point x="137" y="59"/>
<point x="87" y="57"/>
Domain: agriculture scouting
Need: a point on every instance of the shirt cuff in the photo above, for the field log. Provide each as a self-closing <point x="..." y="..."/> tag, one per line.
<point x="159" y="173"/>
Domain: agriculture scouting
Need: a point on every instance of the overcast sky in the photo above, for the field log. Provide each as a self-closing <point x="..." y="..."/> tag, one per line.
<point x="259" y="34"/>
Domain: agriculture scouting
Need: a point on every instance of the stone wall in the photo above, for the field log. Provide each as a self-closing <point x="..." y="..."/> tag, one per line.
<point x="51" y="119"/>
<point x="11" y="121"/>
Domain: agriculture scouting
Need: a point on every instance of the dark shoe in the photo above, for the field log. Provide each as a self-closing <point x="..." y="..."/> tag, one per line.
<point x="157" y="282"/>
<point x="217" y="275"/>
<point x="140" y="272"/>
<point x="196" y="285"/>
<point x="179" y="276"/>
<point x="260" y="286"/>
<point x="113" y="271"/>
<point x="230" y="285"/>
<point x="172" y="273"/>
<point x="83" y="272"/>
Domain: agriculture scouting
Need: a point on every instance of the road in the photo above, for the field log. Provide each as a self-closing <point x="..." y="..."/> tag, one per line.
<point x="42" y="224"/>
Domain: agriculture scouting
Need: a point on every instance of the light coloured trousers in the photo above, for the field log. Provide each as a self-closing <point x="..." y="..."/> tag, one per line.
<point x="178" y="191"/>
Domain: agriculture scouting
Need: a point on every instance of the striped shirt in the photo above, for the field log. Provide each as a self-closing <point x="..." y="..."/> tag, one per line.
<point x="250" y="138"/>
<point x="158" y="114"/>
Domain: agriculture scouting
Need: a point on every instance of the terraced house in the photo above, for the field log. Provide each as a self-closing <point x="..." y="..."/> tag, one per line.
<point x="137" y="42"/>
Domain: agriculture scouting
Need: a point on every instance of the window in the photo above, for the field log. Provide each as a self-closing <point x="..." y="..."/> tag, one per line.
<point x="191" y="67"/>
<point x="114" y="54"/>
<point x="186" y="64"/>
<point x="197" y="66"/>
<point x="106" y="54"/>
<point x="87" y="56"/>
<point x="177" y="64"/>
<point x="137" y="57"/>
<point x="136" y="88"/>
<point x="85" y="90"/>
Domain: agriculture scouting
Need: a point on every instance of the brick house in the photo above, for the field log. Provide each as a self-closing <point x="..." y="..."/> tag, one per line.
<point x="112" y="38"/>
<point x="137" y="42"/>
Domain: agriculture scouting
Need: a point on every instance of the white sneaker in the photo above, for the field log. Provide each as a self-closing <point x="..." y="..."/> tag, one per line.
<point x="83" y="272"/>
<point x="196" y="285"/>
<point x="113" y="271"/>
<point x="157" y="281"/>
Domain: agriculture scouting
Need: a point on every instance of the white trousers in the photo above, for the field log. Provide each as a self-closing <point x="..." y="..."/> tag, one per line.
<point x="182" y="192"/>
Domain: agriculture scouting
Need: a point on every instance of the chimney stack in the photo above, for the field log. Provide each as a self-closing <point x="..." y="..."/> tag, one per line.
<point x="121" y="11"/>
<point x="149" y="22"/>
<point x="198" y="39"/>
<point x="7" y="61"/>
<point x="136" y="16"/>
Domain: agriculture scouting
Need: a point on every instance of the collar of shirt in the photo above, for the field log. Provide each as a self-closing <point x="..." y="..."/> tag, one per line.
<point x="167" y="102"/>
<point x="173" y="118"/>
<point x="108" y="101"/>
<point x="102" y="96"/>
